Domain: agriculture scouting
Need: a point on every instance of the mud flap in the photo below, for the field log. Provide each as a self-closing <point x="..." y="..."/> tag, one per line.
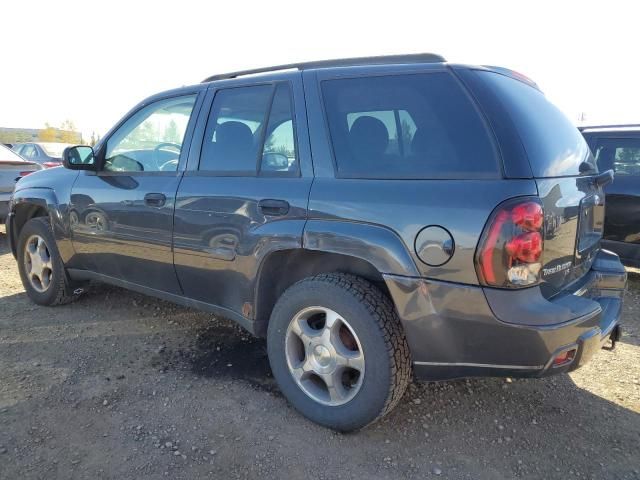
<point x="614" y="337"/>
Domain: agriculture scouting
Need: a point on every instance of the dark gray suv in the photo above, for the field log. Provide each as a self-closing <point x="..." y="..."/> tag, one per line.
<point x="617" y="147"/>
<point x="373" y="218"/>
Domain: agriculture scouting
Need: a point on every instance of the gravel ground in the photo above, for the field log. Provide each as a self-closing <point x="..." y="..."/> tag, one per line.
<point x="119" y="385"/>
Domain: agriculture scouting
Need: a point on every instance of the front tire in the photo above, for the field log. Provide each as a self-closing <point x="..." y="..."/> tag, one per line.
<point x="40" y="265"/>
<point x="338" y="351"/>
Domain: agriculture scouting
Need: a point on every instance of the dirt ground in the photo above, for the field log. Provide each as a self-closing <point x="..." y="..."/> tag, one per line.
<point x="119" y="385"/>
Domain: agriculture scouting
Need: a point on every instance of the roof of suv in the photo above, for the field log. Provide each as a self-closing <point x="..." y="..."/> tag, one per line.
<point x="382" y="60"/>
<point x="340" y="62"/>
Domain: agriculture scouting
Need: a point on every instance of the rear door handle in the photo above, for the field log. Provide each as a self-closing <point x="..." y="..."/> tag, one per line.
<point x="155" y="199"/>
<point x="273" y="208"/>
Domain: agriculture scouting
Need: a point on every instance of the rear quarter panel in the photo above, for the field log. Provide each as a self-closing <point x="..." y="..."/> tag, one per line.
<point x="404" y="207"/>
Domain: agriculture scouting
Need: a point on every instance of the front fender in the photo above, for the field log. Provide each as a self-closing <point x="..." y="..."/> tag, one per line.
<point x="38" y="196"/>
<point x="23" y="205"/>
<point x="377" y="245"/>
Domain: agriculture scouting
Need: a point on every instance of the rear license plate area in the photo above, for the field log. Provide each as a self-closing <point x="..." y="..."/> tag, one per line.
<point x="590" y="224"/>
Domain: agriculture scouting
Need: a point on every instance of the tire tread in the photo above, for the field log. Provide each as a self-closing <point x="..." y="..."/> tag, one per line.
<point x="63" y="293"/>
<point x="384" y="314"/>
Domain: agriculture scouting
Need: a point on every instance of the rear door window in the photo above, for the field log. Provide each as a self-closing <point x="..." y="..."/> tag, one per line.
<point x="279" y="155"/>
<point x="554" y="146"/>
<point x="619" y="154"/>
<point x="249" y="131"/>
<point x="407" y="126"/>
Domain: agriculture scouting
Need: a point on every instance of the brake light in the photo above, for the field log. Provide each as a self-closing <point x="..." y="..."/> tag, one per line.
<point x="528" y="215"/>
<point x="526" y="247"/>
<point x="24" y="174"/>
<point x="51" y="164"/>
<point x="512" y="245"/>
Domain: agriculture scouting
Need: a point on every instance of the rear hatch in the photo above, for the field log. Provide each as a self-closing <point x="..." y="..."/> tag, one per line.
<point x="574" y="219"/>
<point x="561" y="163"/>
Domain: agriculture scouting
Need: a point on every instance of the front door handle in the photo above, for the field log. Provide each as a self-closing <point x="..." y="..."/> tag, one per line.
<point x="273" y="208"/>
<point x="155" y="199"/>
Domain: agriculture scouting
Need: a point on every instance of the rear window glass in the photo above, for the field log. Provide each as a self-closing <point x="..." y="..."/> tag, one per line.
<point x="554" y="145"/>
<point x="406" y="126"/>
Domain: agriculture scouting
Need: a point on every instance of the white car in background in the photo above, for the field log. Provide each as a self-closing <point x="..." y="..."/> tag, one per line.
<point x="12" y="168"/>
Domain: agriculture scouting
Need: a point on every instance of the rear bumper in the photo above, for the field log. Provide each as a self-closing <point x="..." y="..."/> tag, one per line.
<point x="4" y="210"/>
<point x="460" y="331"/>
<point x="4" y="206"/>
<point x="8" y="222"/>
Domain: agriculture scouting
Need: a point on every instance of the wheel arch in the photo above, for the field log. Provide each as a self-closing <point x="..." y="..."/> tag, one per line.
<point x="283" y="268"/>
<point x="28" y="204"/>
<point x="380" y="246"/>
<point x="365" y="250"/>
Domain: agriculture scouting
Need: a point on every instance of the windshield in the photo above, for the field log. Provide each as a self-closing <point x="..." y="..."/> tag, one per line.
<point x="7" y="154"/>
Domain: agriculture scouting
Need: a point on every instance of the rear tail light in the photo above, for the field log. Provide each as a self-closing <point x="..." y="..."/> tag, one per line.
<point x="51" y="164"/>
<point x="511" y="246"/>
<point x="24" y="174"/>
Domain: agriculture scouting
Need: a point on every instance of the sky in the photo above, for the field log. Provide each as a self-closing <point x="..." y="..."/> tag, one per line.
<point x="90" y="62"/>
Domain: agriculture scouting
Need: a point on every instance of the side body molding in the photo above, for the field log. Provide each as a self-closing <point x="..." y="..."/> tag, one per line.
<point x="377" y="245"/>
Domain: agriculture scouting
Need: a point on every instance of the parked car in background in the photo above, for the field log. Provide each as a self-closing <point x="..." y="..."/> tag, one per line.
<point x="47" y="154"/>
<point x="12" y="169"/>
<point x="617" y="147"/>
<point x="371" y="217"/>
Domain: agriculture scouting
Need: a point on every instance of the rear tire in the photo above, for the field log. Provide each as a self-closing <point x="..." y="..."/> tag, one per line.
<point x="41" y="269"/>
<point x="338" y="351"/>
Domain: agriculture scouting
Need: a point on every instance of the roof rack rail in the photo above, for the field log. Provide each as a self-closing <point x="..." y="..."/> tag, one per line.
<point x="339" y="62"/>
<point x="622" y="125"/>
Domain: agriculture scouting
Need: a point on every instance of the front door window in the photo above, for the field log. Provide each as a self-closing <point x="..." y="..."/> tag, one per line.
<point x="151" y="140"/>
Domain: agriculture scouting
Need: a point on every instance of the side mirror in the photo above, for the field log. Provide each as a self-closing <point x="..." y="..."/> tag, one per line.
<point x="80" y="157"/>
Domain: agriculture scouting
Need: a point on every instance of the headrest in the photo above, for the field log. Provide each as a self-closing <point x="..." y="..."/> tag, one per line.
<point x="234" y="133"/>
<point x="368" y="136"/>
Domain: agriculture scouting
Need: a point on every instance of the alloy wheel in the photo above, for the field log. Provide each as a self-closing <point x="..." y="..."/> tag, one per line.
<point x="324" y="356"/>
<point x="37" y="263"/>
